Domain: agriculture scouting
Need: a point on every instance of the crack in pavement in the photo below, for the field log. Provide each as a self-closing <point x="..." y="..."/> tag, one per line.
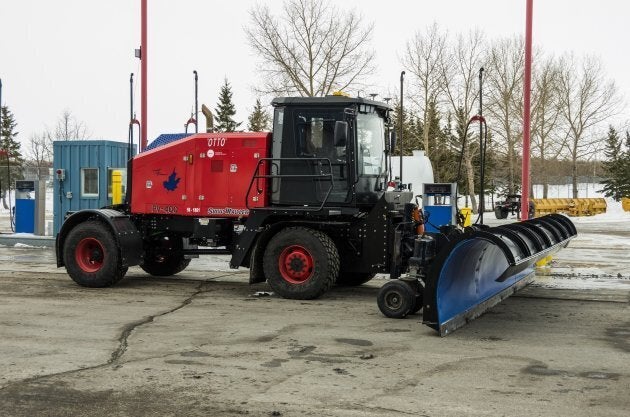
<point x="129" y="328"/>
<point x="122" y="340"/>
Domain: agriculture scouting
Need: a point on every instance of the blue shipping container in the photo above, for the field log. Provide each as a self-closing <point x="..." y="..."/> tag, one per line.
<point x="87" y="167"/>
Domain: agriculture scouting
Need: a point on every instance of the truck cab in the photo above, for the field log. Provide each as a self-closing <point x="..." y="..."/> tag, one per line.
<point x="328" y="151"/>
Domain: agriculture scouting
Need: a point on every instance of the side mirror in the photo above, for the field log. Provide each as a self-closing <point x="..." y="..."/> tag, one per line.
<point x="392" y="141"/>
<point x="341" y="133"/>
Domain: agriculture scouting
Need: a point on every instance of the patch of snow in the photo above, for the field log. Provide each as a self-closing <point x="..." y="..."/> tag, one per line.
<point x="25" y="246"/>
<point x="582" y="283"/>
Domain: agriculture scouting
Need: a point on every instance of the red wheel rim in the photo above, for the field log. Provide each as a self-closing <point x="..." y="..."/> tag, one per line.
<point x="296" y="264"/>
<point x="89" y="254"/>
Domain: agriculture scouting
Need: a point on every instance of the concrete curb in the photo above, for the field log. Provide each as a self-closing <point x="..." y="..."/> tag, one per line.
<point x="25" y="239"/>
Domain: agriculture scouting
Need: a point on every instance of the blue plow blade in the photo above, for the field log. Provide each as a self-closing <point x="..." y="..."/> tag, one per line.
<point x="479" y="269"/>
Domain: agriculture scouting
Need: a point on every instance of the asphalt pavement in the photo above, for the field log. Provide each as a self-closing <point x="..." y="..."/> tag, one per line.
<point x="206" y="343"/>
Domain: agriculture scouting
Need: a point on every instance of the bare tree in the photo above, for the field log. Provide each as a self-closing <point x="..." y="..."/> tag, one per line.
<point x="546" y="119"/>
<point x="588" y="99"/>
<point x="39" y="152"/>
<point x="423" y="57"/>
<point x="312" y="49"/>
<point x="505" y="70"/>
<point x="459" y="70"/>
<point x="69" y="128"/>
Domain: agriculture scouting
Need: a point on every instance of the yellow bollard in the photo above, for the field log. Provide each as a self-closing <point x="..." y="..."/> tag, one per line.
<point x="466" y="212"/>
<point x="116" y="187"/>
<point x="543" y="267"/>
<point x="544" y="261"/>
<point x="625" y="204"/>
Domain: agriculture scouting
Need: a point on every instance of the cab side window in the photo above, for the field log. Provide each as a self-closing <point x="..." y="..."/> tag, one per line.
<point x="315" y="135"/>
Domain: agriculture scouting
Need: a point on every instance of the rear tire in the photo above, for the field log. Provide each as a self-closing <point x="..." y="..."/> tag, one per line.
<point x="164" y="257"/>
<point x="396" y="299"/>
<point x="353" y="279"/>
<point x="301" y="263"/>
<point x="92" y="256"/>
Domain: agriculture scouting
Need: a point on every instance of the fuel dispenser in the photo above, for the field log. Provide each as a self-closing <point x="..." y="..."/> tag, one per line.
<point x="439" y="205"/>
<point x="30" y="206"/>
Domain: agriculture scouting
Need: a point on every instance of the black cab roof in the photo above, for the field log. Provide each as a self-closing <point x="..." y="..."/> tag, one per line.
<point x="326" y="101"/>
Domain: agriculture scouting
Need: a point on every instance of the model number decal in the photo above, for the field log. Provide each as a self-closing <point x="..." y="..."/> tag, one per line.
<point x="156" y="208"/>
<point x="216" y="142"/>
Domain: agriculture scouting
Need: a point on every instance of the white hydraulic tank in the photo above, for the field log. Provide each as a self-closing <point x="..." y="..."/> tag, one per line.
<point x="417" y="170"/>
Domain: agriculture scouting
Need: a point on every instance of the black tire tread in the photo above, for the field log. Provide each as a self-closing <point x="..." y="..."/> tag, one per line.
<point x="333" y="259"/>
<point x="165" y="269"/>
<point x="173" y="262"/>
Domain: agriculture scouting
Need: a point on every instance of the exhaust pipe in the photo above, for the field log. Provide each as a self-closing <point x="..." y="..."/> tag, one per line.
<point x="209" y="119"/>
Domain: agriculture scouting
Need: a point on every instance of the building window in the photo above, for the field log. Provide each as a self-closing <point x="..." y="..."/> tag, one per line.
<point x="89" y="182"/>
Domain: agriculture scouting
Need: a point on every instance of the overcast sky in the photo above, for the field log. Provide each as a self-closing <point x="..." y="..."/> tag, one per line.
<point x="78" y="54"/>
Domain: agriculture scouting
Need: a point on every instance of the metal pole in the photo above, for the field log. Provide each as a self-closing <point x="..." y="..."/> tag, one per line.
<point x="144" y="56"/>
<point x="482" y="151"/>
<point x="196" y="104"/>
<point x="1" y="135"/>
<point x="0" y="107"/>
<point x="7" y="192"/>
<point x="400" y="116"/>
<point x="388" y="159"/>
<point x="526" y="111"/>
<point x="130" y="151"/>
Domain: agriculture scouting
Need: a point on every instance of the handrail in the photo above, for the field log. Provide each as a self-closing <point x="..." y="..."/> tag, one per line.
<point x="257" y="176"/>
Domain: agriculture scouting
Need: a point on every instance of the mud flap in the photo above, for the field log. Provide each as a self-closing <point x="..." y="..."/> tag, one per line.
<point x="481" y="268"/>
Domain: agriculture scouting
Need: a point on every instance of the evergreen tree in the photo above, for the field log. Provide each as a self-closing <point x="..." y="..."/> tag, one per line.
<point x="440" y="150"/>
<point x="415" y="133"/>
<point x="616" y="166"/>
<point x="259" y="120"/>
<point x="10" y="156"/>
<point x="225" y="110"/>
<point x="408" y="131"/>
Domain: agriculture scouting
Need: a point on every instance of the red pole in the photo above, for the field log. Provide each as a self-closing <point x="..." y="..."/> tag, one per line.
<point x="526" y="112"/>
<point x="143" y="73"/>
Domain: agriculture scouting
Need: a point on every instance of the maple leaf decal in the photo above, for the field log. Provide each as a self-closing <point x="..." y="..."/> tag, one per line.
<point x="171" y="183"/>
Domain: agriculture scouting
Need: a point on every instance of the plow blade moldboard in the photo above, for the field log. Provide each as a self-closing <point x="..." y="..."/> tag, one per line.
<point x="479" y="269"/>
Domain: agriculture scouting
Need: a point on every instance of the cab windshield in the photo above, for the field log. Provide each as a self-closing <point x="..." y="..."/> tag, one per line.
<point x="371" y="140"/>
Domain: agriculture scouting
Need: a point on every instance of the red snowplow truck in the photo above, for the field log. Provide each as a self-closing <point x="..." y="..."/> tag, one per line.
<point x="304" y="208"/>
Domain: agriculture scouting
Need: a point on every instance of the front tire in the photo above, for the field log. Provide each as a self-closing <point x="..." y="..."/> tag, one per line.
<point x="396" y="299"/>
<point x="301" y="263"/>
<point x="92" y="256"/>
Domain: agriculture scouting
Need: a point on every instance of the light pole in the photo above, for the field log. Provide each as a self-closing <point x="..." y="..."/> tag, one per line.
<point x="526" y="111"/>
<point x="144" y="55"/>
<point x="402" y="129"/>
